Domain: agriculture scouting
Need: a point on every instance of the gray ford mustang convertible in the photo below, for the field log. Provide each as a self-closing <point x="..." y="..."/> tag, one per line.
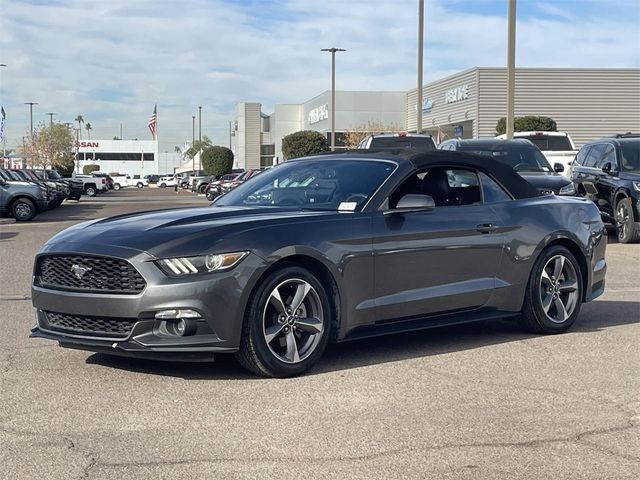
<point x="322" y="249"/>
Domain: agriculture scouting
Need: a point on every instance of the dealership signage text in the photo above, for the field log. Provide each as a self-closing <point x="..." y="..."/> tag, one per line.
<point x="318" y="114"/>
<point x="82" y="144"/>
<point x="456" y="94"/>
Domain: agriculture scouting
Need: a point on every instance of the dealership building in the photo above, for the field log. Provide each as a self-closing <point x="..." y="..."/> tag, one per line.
<point x="130" y="157"/>
<point x="587" y="103"/>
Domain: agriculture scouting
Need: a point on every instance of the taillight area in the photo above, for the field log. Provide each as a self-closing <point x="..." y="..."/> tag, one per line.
<point x="104" y="181"/>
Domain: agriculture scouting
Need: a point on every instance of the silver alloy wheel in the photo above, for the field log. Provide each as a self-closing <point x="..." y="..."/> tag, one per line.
<point x="558" y="289"/>
<point x="622" y="220"/>
<point x="292" y="321"/>
<point x="22" y="210"/>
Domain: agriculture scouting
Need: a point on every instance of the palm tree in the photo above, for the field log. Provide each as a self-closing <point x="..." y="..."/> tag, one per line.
<point x="177" y="149"/>
<point x="80" y="120"/>
<point x="88" y="128"/>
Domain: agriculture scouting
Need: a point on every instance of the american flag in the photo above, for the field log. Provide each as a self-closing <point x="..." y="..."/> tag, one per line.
<point x="153" y="121"/>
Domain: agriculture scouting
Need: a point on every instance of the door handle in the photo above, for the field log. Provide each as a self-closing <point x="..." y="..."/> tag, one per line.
<point x="487" y="227"/>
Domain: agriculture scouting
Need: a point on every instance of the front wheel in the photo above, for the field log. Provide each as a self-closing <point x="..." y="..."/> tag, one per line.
<point x="287" y="325"/>
<point x="91" y="191"/>
<point x="626" y="226"/>
<point x="139" y="185"/>
<point x="163" y="185"/>
<point x="116" y="186"/>
<point x="554" y="292"/>
<point x="23" y="210"/>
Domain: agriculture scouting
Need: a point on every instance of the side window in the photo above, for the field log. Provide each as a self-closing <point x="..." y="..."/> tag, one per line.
<point x="608" y="155"/>
<point x="491" y="191"/>
<point x="582" y="155"/>
<point x="594" y="155"/>
<point x="449" y="187"/>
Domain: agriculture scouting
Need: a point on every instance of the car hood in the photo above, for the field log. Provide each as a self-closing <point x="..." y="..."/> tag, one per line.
<point x="175" y="231"/>
<point x="546" y="181"/>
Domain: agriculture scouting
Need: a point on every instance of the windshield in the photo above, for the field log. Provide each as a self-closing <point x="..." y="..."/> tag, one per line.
<point x="413" y="143"/>
<point x="54" y="175"/>
<point x="630" y="156"/>
<point x="519" y="157"/>
<point x="552" y="143"/>
<point x="312" y="185"/>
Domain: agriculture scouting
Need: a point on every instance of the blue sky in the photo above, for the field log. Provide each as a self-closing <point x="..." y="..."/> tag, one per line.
<point x="111" y="61"/>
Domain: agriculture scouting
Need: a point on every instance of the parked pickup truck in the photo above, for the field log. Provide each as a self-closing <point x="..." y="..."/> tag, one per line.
<point x="557" y="147"/>
<point x="91" y="186"/>
<point x="121" y="181"/>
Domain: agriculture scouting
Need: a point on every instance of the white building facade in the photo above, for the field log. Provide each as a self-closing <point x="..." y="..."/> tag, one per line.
<point x="131" y="157"/>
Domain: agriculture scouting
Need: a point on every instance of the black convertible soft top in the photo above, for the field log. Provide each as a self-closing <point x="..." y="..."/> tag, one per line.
<point x="503" y="174"/>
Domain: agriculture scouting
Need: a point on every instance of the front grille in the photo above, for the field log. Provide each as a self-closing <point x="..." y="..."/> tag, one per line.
<point x="88" y="274"/>
<point x="84" y="325"/>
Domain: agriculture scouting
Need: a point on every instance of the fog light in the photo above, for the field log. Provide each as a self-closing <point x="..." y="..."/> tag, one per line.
<point x="181" y="327"/>
<point x="177" y="314"/>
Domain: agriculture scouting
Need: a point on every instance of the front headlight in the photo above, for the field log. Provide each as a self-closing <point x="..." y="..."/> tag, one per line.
<point x="569" y="189"/>
<point x="218" y="262"/>
<point x="636" y="186"/>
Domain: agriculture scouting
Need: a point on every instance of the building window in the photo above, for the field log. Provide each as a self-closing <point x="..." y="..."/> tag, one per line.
<point x="116" y="157"/>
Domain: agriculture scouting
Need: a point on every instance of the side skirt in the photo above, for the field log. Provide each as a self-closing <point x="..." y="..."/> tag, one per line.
<point x="409" y="325"/>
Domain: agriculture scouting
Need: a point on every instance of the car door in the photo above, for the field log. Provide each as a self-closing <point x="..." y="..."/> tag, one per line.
<point x="605" y="184"/>
<point x="435" y="261"/>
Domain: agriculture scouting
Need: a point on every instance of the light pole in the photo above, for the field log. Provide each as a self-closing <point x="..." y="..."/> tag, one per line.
<point x="420" y="59"/>
<point x="51" y="114"/>
<point x="193" y="129"/>
<point x="333" y="51"/>
<point x="199" y="134"/>
<point x="31" y="104"/>
<point x="511" y="66"/>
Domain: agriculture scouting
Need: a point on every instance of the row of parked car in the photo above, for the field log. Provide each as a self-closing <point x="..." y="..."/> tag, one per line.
<point x="606" y="170"/>
<point x="26" y="192"/>
<point x="210" y="186"/>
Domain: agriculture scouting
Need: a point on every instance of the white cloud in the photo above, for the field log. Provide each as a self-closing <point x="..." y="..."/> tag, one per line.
<point x="112" y="61"/>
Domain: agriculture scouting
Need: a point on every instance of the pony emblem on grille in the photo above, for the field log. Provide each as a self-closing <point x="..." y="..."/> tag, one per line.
<point x="79" y="271"/>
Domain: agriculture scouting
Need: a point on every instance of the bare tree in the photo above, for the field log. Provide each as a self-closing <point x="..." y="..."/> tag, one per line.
<point x="49" y="145"/>
<point x="355" y="135"/>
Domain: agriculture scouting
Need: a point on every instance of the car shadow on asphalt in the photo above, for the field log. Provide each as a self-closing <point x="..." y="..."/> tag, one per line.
<point x="70" y="211"/>
<point x="594" y="317"/>
<point x="4" y="236"/>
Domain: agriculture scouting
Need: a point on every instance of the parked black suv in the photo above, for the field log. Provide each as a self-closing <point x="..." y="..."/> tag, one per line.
<point x="607" y="171"/>
<point x="524" y="157"/>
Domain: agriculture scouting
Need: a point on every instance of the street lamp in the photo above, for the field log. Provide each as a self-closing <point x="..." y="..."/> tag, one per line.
<point x="511" y="66"/>
<point x="199" y="134"/>
<point x="333" y="51"/>
<point x="193" y="129"/>
<point x="420" y="60"/>
<point x="51" y="114"/>
<point x="31" y="104"/>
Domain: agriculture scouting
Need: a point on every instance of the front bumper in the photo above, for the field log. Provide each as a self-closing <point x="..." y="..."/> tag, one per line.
<point x="219" y="298"/>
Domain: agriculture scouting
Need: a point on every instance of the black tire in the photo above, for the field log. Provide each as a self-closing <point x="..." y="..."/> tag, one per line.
<point x="202" y="189"/>
<point x="210" y="196"/>
<point x="139" y="184"/>
<point x="116" y="186"/>
<point x="91" y="191"/>
<point x="23" y="209"/>
<point x="163" y="185"/>
<point x="255" y="354"/>
<point x="627" y="230"/>
<point x="534" y="318"/>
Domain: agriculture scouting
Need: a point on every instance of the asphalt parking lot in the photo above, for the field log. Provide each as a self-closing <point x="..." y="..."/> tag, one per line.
<point x="475" y="401"/>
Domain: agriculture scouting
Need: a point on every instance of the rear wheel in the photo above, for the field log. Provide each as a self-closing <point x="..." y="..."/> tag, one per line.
<point x="626" y="226"/>
<point x="163" y="185"/>
<point x="554" y="292"/>
<point x="116" y="186"/>
<point x="287" y="325"/>
<point x="202" y="189"/>
<point x="139" y="185"/>
<point x="91" y="191"/>
<point x="23" y="209"/>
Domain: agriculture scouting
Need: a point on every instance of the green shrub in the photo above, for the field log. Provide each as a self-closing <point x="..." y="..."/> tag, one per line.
<point x="65" y="166"/>
<point x="92" y="167"/>
<point x="301" y="144"/>
<point x="529" y="123"/>
<point x="217" y="160"/>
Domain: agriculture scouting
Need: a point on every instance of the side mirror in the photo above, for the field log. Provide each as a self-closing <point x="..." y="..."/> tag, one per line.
<point x="608" y="169"/>
<point x="413" y="203"/>
<point x="558" y="167"/>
